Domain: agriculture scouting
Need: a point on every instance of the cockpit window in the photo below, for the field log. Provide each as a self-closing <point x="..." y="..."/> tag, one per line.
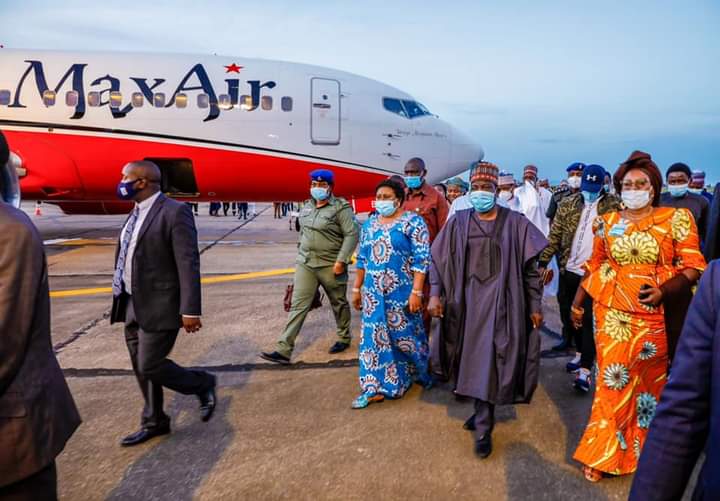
<point x="394" y="106"/>
<point x="405" y="108"/>
<point x="415" y="109"/>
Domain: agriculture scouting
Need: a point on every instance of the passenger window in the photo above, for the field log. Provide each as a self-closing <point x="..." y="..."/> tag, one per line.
<point x="49" y="98"/>
<point x="286" y="103"/>
<point x="181" y="100"/>
<point x="245" y="102"/>
<point x="394" y="106"/>
<point x="266" y="103"/>
<point x="72" y="98"/>
<point x="159" y="100"/>
<point x="138" y="99"/>
<point x="203" y="101"/>
<point x="115" y="99"/>
<point x="93" y="99"/>
<point x="224" y="102"/>
<point x="4" y="97"/>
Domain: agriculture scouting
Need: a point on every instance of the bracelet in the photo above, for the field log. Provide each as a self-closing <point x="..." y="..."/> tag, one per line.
<point x="355" y="289"/>
<point x="577" y="310"/>
<point x="418" y="293"/>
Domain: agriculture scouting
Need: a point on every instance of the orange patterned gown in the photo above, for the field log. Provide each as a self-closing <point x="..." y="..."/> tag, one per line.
<point x="630" y="337"/>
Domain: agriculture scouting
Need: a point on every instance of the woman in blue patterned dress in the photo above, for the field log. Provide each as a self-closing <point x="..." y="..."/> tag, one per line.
<point x="392" y="263"/>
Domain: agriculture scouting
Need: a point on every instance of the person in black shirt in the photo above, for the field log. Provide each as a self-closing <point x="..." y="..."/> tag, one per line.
<point x="678" y="178"/>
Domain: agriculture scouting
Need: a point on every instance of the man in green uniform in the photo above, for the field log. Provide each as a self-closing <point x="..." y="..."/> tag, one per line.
<point x="328" y="236"/>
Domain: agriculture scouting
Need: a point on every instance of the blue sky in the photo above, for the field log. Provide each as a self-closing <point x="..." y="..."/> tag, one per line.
<point x="546" y="82"/>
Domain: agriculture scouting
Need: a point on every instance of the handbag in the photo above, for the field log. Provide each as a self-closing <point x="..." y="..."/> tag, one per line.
<point x="287" y="302"/>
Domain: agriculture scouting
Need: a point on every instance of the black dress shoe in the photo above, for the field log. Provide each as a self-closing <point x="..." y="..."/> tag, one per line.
<point x="275" y="357"/>
<point x="483" y="446"/>
<point x="339" y="347"/>
<point x="470" y="424"/>
<point x="208" y="399"/>
<point x="144" y="435"/>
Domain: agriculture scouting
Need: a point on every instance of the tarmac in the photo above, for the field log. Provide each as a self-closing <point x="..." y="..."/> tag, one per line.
<point x="282" y="432"/>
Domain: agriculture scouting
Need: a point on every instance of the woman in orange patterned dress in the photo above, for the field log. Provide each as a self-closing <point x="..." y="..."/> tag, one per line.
<point x="636" y="252"/>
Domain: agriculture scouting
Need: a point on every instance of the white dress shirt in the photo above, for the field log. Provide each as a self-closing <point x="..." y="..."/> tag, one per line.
<point x="143" y="208"/>
<point x="460" y="203"/>
<point x="582" y="245"/>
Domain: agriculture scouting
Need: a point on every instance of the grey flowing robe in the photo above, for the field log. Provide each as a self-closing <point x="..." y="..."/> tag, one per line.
<point x="487" y="345"/>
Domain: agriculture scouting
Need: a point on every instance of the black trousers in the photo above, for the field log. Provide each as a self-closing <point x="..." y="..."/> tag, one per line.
<point x="583" y="338"/>
<point x="41" y="486"/>
<point x="484" y="418"/>
<point x="153" y="370"/>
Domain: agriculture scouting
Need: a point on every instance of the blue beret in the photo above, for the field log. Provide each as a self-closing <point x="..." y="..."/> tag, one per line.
<point x="322" y="175"/>
<point x="593" y="178"/>
<point x="575" y="166"/>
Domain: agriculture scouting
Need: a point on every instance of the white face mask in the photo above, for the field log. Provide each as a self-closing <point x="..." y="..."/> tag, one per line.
<point x="505" y="195"/>
<point x="635" y="199"/>
<point x="574" y="182"/>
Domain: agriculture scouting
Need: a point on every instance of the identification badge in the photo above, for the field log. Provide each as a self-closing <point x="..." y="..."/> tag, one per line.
<point x="618" y="229"/>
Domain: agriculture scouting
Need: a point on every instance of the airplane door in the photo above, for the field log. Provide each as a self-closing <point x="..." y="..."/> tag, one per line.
<point x="325" y="111"/>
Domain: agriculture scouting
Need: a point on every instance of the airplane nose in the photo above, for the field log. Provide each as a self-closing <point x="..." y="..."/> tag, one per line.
<point x="464" y="151"/>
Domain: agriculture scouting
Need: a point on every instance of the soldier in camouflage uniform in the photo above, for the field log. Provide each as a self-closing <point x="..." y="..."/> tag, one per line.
<point x="574" y="171"/>
<point x="328" y="236"/>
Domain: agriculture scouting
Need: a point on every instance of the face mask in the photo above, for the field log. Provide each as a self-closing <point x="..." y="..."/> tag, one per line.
<point x="635" y="199"/>
<point x="590" y="197"/>
<point x="505" y="195"/>
<point x="608" y="188"/>
<point x="319" y="194"/>
<point x="482" y="201"/>
<point x="126" y="190"/>
<point x="530" y="183"/>
<point x="697" y="191"/>
<point x="678" y="190"/>
<point x="413" y="182"/>
<point x="385" y="207"/>
<point x="574" y="182"/>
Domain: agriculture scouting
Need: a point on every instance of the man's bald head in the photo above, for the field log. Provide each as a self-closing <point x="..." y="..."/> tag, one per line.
<point x="143" y="169"/>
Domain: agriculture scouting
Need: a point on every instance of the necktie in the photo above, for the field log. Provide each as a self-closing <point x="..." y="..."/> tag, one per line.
<point x="122" y="255"/>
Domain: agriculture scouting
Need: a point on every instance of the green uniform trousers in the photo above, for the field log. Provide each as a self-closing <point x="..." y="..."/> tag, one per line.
<point x="305" y="284"/>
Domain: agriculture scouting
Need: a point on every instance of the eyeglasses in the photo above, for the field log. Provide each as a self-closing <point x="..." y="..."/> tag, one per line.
<point x="638" y="184"/>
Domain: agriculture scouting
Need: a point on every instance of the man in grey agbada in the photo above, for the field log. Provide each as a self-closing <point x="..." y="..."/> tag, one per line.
<point x="329" y="234"/>
<point x="484" y="264"/>
<point x="37" y="411"/>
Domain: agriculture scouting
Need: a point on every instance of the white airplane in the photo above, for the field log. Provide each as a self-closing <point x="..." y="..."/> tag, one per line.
<point x="220" y="128"/>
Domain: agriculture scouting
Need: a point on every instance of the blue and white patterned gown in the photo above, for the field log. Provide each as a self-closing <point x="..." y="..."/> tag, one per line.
<point x="393" y="349"/>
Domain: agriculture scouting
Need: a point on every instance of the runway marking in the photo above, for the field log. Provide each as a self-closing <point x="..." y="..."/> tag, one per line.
<point x="207" y="280"/>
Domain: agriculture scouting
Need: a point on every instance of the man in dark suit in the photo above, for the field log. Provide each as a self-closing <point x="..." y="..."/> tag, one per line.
<point x="37" y="411"/>
<point x="156" y="290"/>
<point x="688" y="416"/>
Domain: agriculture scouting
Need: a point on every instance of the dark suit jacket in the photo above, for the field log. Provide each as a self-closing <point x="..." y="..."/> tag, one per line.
<point x="165" y="269"/>
<point x="37" y="411"/>
<point x="688" y="416"/>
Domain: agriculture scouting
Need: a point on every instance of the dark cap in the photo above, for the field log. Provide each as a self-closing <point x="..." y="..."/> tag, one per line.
<point x="679" y="167"/>
<point x="322" y="175"/>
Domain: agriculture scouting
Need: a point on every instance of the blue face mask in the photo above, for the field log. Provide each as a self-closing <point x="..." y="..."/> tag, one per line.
<point x="413" y="182"/>
<point x="697" y="191"/>
<point x="590" y="197"/>
<point x="678" y="190"/>
<point x="607" y="188"/>
<point x="385" y="208"/>
<point x="482" y="201"/>
<point x="319" y="194"/>
<point x="126" y="190"/>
